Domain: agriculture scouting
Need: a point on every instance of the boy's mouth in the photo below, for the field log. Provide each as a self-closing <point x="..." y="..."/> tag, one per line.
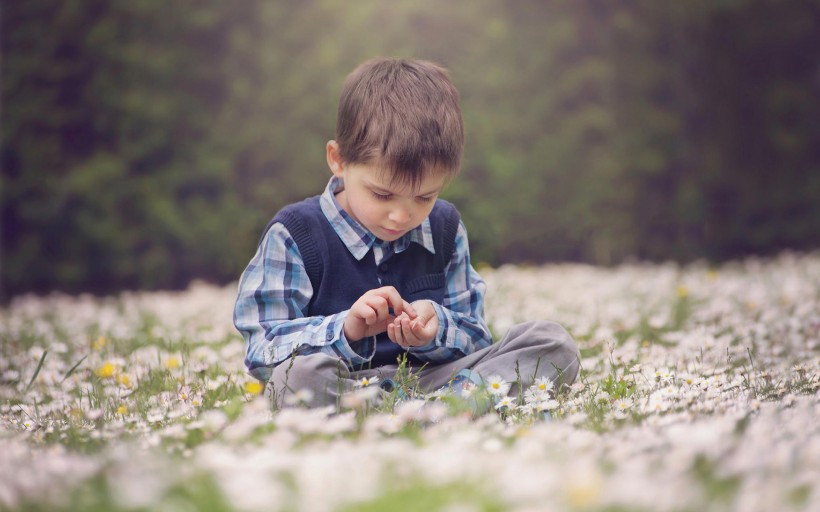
<point x="393" y="232"/>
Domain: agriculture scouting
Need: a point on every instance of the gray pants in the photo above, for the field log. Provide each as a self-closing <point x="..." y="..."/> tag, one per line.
<point x="528" y="351"/>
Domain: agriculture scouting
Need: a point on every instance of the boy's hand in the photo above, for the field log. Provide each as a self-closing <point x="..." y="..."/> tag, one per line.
<point x="370" y="315"/>
<point x="407" y="332"/>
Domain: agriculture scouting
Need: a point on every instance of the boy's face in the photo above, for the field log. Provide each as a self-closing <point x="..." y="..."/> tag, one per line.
<point x="385" y="209"/>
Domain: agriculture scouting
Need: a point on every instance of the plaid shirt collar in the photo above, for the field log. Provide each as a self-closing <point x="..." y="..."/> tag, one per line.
<point x="356" y="237"/>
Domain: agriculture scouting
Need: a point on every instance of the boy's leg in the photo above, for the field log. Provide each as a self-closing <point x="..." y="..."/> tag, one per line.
<point x="326" y="377"/>
<point x="536" y="349"/>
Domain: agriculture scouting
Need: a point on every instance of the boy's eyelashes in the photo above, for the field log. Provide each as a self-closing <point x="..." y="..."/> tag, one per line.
<point x="388" y="196"/>
<point x="382" y="197"/>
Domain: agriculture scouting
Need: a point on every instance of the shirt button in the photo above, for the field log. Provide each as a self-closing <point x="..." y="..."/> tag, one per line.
<point x="329" y="336"/>
<point x="383" y="267"/>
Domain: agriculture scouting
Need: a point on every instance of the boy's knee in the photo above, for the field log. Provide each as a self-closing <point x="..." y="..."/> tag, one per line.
<point x="319" y="374"/>
<point x="554" y="346"/>
<point x="542" y="332"/>
<point x="563" y="351"/>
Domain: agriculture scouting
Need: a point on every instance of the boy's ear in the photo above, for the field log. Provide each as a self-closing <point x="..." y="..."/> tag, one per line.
<point x="334" y="159"/>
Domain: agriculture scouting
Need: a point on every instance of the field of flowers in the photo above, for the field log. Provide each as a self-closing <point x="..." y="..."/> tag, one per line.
<point x="699" y="390"/>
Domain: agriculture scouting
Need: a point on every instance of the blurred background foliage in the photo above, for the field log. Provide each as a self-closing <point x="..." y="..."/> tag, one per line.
<point x="146" y="143"/>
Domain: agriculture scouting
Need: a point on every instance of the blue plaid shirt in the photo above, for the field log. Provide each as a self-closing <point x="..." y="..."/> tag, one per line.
<point x="274" y="292"/>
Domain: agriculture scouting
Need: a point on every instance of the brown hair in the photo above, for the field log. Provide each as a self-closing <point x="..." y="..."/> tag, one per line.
<point x="403" y="114"/>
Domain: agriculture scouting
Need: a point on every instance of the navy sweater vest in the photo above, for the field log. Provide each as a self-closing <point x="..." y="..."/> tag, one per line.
<point x="338" y="279"/>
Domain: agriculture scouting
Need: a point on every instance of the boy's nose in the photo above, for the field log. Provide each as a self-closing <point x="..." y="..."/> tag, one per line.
<point x="400" y="216"/>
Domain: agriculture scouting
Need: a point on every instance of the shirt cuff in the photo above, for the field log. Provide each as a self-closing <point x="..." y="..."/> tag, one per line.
<point x="365" y="348"/>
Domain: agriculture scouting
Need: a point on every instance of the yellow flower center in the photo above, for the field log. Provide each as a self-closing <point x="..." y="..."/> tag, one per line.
<point x="253" y="387"/>
<point x="105" y="371"/>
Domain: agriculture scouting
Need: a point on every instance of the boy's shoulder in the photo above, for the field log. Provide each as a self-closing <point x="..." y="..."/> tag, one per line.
<point x="305" y="214"/>
<point x="446" y="212"/>
<point x="300" y="216"/>
<point x="305" y="207"/>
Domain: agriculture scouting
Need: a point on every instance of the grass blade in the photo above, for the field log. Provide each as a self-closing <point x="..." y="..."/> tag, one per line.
<point x="73" y="368"/>
<point x="37" y="371"/>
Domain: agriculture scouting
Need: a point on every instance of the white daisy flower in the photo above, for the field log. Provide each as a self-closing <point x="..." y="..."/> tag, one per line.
<point x="622" y="404"/>
<point x="543" y="385"/>
<point x="532" y="395"/>
<point x="526" y="409"/>
<point x="506" y="402"/>
<point x="497" y="386"/>
<point x="367" y="381"/>
<point x="547" y="405"/>
<point x="664" y="375"/>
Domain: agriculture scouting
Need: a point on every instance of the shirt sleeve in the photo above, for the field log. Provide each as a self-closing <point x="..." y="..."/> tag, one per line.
<point x="461" y="326"/>
<point x="271" y="305"/>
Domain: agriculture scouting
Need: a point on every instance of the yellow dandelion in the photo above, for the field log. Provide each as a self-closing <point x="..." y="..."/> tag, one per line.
<point x="122" y="410"/>
<point x="253" y="387"/>
<point x="171" y="363"/>
<point x="105" y="371"/>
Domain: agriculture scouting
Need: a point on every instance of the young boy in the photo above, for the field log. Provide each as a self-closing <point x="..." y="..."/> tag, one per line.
<point x="378" y="267"/>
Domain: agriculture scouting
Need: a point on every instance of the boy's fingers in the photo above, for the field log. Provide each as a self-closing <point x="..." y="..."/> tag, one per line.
<point x="405" y="329"/>
<point x="411" y="334"/>
<point x="380" y="308"/>
<point x="368" y="315"/>
<point x="398" y="304"/>
<point x="397" y="334"/>
<point x="422" y="328"/>
<point x="409" y="309"/>
<point x="420" y="322"/>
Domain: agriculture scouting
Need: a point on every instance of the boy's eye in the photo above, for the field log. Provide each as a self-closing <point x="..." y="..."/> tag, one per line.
<point x="381" y="197"/>
<point x="425" y="199"/>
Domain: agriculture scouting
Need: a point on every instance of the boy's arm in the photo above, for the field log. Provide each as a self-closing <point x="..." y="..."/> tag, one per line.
<point x="274" y="292"/>
<point x="461" y="326"/>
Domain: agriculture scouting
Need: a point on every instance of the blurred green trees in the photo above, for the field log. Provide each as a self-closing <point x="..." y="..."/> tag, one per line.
<point x="147" y="143"/>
